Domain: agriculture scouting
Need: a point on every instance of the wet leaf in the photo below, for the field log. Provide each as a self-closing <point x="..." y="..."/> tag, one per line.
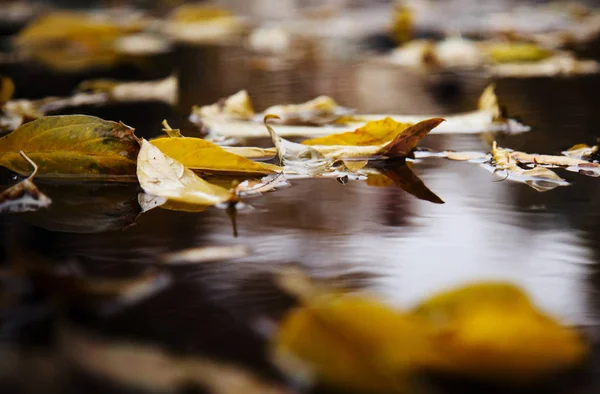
<point x="201" y="155"/>
<point x="314" y="158"/>
<point x="493" y="331"/>
<point x="161" y="90"/>
<point x="70" y="41"/>
<point x="318" y="111"/>
<point x="373" y="133"/>
<point x="204" y="255"/>
<point x="352" y="342"/>
<point x="517" y="52"/>
<point x="408" y="138"/>
<point x="561" y="64"/>
<point x="24" y="196"/>
<point x="540" y="178"/>
<point x="486" y="119"/>
<point x="255" y="187"/>
<point x="581" y="151"/>
<point x="163" y="176"/>
<point x="298" y="158"/>
<point x="7" y="88"/>
<point x="74" y="146"/>
<point x="237" y="106"/>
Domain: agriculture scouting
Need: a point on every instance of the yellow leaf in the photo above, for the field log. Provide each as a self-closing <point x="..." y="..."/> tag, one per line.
<point x="519" y="52"/>
<point x="71" y="41"/>
<point x="373" y="133"/>
<point x="7" y="88"/>
<point x="493" y="331"/>
<point x="192" y="13"/>
<point x="353" y="342"/>
<point x="71" y="146"/>
<point x="163" y="176"/>
<point x="202" y="155"/>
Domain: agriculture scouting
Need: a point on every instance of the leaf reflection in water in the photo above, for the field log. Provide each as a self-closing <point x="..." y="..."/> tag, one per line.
<point x="86" y="207"/>
<point x="403" y="178"/>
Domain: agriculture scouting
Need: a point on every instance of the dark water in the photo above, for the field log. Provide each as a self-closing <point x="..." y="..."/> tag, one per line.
<point x="378" y="239"/>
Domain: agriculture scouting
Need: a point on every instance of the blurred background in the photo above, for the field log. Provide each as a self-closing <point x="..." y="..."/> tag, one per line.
<point x="83" y="306"/>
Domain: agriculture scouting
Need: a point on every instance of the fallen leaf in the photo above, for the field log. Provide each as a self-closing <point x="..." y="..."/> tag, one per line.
<point x="163" y="176"/>
<point x="24" y="196"/>
<point x="373" y="133"/>
<point x="550" y="160"/>
<point x="493" y="331"/>
<point x="73" y="146"/>
<point x="162" y="90"/>
<point x="407" y="139"/>
<point x="237" y="106"/>
<point x="318" y="111"/>
<point x="581" y="151"/>
<point x="298" y="158"/>
<point x="71" y="41"/>
<point x="517" y="52"/>
<point x="201" y="155"/>
<point x="352" y="342"/>
<point x="256" y="187"/>
<point x="486" y="119"/>
<point x="403" y="142"/>
<point x="201" y="23"/>
<point x="204" y="255"/>
<point x="7" y="88"/>
<point x="561" y="64"/>
<point x="540" y="178"/>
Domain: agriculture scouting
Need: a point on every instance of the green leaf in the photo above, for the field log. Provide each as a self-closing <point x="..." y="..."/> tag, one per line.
<point x="74" y="146"/>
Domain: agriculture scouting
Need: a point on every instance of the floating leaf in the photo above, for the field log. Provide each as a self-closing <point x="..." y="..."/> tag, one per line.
<point x="73" y="146"/>
<point x="205" y="254"/>
<point x="408" y="138"/>
<point x="237" y="106"/>
<point x="373" y="133"/>
<point x="493" y="331"/>
<point x="24" y="196"/>
<point x="296" y="156"/>
<point x="581" y="151"/>
<point x="540" y="178"/>
<point x="257" y="187"/>
<point x="486" y="119"/>
<point x="71" y="41"/>
<point x="7" y="88"/>
<point x="163" y="176"/>
<point x="517" y="52"/>
<point x="318" y="111"/>
<point x="353" y="342"/>
<point x="201" y="155"/>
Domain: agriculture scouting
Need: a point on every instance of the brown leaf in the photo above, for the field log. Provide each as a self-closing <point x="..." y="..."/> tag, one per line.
<point x="408" y="139"/>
